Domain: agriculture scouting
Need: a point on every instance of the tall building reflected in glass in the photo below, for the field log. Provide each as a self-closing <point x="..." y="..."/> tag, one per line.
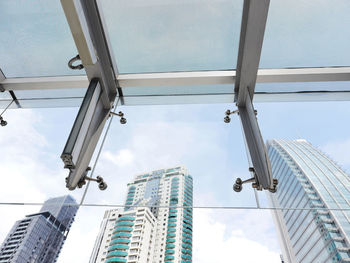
<point x="39" y="237"/>
<point x="310" y="181"/>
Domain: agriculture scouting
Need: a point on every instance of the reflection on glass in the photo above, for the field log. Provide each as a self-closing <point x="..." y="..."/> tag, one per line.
<point x="50" y="103"/>
<point x="36" y="39"/>
<point x="50" y="93"/>
<point x="5" y="95"/>
<point x="179" y="90"/>
<point x="178" y="99"/>
<point x="303" y="86"/>
<point x="162" y="36"/>
<point x="307" y="34"/>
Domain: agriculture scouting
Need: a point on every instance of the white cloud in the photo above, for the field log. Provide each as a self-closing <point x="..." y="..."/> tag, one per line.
<point x="33" y="163"/>
<point x="213" y="242"/>
<point x="26" y="168"/>
<point x="122" y="158"/>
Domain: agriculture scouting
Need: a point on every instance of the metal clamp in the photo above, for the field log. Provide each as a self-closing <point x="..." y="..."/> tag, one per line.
<point x="121" y="115"/>
<point x="72" y="60"/>
<point x="101" y="183"/>
<point x="227" y="119"/>
<point x="237" y="186"/>
<point x="2" y="121"/>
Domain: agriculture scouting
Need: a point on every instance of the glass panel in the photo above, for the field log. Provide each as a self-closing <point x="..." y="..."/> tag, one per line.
<point x="51" y="103"/>
<point x="5" y="95"/>
<point x="36" y="40"/>
<point x="179" y="99"/>
<point x="50" y="93"/>
<point x="164" y="137"/>
<point x="49" y="98"/>
<point x="31" y="144"/>
<point x="303" y="86"/>
<point x="178" y="90"/>
<point x="164" y="36"/>
<point x="307" y="34"/>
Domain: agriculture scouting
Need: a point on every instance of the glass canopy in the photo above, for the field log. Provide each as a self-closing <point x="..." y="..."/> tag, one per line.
<point x="166" y="36"/>
<point x="198" y="40"/>
<point x="36" y="40"/>
<point x="307" y="34"/>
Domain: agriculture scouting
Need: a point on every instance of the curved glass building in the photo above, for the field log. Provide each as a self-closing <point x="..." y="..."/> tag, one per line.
<point x="315" y="192"/>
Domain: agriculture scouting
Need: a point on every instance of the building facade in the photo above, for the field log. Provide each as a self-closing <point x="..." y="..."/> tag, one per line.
<point x="315" y="192"/>
<point x="155" y="225"/>
<point x="39" y="237"/>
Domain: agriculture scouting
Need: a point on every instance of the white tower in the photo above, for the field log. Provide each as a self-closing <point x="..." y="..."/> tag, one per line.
<point x="156" y="224"/>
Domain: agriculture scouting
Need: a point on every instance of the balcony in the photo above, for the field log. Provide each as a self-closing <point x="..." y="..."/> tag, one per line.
<point x="170" y="240"/>
<point x="169" y="251"/>
<point x="118" y="247"/>
<point x="125" y="223"/>
<point x="117" y="254"/>
<point x="126" y="218"/>
<point x="169" y="258"/>
<point x="121" y="234"/>
<point x="116" y="260"/>
<point x="123" y="229"/>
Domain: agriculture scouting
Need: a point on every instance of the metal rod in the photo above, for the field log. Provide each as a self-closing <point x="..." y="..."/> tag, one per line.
<point x="99" y="153"/>
<point x="192" y="207"/>
<point x="6" y="108"/>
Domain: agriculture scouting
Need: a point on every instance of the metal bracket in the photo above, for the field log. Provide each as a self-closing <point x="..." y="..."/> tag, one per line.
<point x="119" y="114"/>
<point x="72" y="60"/>
<point x="227" y="119"/>
<point x="101" y="183"/>
<point x="237" y="187"/>
<point x="84" y="135"/>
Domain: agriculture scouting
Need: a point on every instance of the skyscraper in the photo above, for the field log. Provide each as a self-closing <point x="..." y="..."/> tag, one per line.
<point x="156" y="224"/>
<point x="317" y="230"/>
<point x="39" y="237"/>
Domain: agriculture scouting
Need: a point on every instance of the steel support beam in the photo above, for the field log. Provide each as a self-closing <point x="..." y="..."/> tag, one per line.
<point x="46" y="83"/>
<point x="256" y="146"/>
<point x="250" y="44"/>
<point x="196" y="78"/>
<point x="85" y="134"/>
<point x="86" y="26"/>
<point x="2" y="76"/>
<point x="251" y="40"/>
<point x="87" y="29"/>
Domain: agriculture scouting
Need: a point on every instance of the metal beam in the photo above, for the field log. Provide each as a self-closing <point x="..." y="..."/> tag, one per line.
<point x="87" y="29"/>
<point x="2" y="76"/>
<point x="195" y="78"/>
<point x="303" y="75"/>
<point x="177" y="79"/>
<point x="250" y="45"/>
<point x="256" y="146"/>
<point x="251" y="39"/>
<point x="46" y="83"/>
<point x="261" y="97"/>
<point x="85" y="134"/>
<point x="88" y="33"/>
<point x="106" y="70"/>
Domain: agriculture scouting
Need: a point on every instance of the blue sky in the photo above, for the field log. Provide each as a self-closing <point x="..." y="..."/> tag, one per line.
<point x="157" y="137"/>
<point x="38" y="43"/>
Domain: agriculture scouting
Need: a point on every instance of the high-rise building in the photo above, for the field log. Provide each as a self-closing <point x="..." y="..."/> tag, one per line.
<point x="314" y="191"/>
<point x="155" y="225"/>
<point x="39" y="237"/>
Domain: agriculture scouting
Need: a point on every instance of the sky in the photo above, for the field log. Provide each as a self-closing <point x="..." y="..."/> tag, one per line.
<point x="169" y="37"/>
<point x="158" y="137"/>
